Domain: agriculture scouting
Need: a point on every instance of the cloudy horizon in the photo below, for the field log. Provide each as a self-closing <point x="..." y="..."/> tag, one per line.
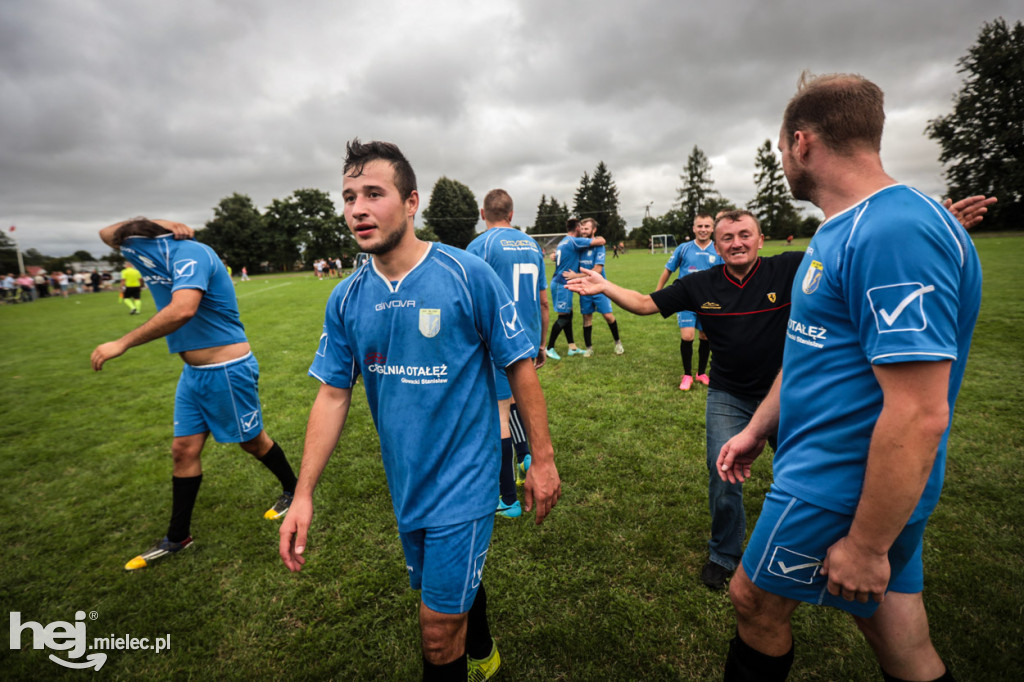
<point x="121" y="108"/>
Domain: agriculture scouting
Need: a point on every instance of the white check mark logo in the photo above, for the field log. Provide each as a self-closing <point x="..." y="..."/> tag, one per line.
<point x="184" y="268"/>
<point x="515" y="316"/>
<point x="789" y="569"/>
<point x="889" y="319"/>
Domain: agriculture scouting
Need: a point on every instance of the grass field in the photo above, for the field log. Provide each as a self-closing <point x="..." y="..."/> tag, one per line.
<point x="606" y="589"/>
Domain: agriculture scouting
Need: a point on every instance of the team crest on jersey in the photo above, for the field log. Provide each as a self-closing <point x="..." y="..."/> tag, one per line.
<point x="430" y="322"/>
<point x="184" y="268"/>
<point x="813" y="277"/>
<point x="771" y="297"/>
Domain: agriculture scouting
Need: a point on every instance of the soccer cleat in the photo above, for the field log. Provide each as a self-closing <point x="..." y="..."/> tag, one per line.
<point x="703" y="378"/>
<point x="588" y="353"/>
<point x="619" y="350"/>
<point x="481" y="669"/>
<point x="280" y="507"/>
<point x="551" y="353"/>
<point x="162" y="548"/>
<point x="522" y="468"/>
<point x="576" y="351"/>
<point x="686" y="382"/>
<point x="509" y="511"/>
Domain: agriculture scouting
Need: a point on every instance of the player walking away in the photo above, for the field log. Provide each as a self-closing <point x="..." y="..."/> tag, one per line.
<point x="593" y="259"/>
<point x="567" y="260"/>
<point x="245" y="274"/>
<point x="518" y="261"/>
<point x="692" y="257"/>
<point x="424" y="324"/>
<point x="131" y="289"/>
<point x="217" y="392"/>
<point x="880" y="328"/>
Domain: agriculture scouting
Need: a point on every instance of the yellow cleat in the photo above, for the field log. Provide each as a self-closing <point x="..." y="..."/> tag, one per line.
<point x="280" y="507"/>
<point x="162" y="548"/>
<point x="481" y="669"/>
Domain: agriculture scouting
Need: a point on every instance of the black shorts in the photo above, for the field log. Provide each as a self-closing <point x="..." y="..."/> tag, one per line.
<point x="133" y="292"/>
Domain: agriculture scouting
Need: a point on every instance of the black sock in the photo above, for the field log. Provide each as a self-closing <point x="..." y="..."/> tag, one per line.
<point x="455" y="671"/>
<point x="184" y="490"/>
<point x="507" y="478"/>
<point x="588" y="336"/>
<point x="278" y="465"/>
<point x="614" y="327"/>
<point x="686" y="352"/>
<point x="747" y="663"/>
<point x="478" y="632"/>
<point x="556" y="329"/>
<point x="567" y="327"/>
<point x="519" y="441"/>
<point x="946" y="677"/>
<point x="703" y="353"/>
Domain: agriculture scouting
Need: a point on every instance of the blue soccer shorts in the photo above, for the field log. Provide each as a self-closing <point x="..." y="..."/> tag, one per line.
<point x="791" y="539"/>
<point x="597" y="303"/>
<point x="561" y="297"/>
<point x="223" y="399"/>
<point x="447" y="563"/>
<point x="687" y="318"/>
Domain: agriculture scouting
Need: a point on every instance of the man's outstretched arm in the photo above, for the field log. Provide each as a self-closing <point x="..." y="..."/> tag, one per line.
<point x="589" y="283"/>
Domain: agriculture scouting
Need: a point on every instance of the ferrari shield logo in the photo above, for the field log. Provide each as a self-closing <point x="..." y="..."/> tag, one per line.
<point x="812" y="278"/>
<point x="771" y="297"/>
<point x="430" y="322"/>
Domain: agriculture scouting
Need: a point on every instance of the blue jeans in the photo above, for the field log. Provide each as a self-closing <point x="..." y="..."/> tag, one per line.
<point x="725" y="416"/>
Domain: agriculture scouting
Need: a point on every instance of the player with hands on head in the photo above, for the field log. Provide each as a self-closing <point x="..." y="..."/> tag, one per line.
<point x="218" y="389"/>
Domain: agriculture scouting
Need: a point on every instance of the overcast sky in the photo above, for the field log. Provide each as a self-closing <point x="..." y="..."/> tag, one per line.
<point x="116" y="108"/>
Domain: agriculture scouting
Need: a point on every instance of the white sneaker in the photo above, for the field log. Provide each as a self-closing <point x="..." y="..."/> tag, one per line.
<point x="588" y="353"/>
<point x="619" y="350"/>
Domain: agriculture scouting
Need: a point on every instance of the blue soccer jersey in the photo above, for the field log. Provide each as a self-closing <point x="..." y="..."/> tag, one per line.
<point x="168" y="264"/>
<point x="689" y="257"/>
<point x="519" y="262"/>
<point x="425" y="347"/>
<point x="567" y="256"/>
<point x="893" y="279"/>
<point x="593" y="257"/>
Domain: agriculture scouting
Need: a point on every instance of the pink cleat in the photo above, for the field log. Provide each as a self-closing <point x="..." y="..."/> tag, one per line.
<point x="685" y="384"/>
<point x="703" y="378"/>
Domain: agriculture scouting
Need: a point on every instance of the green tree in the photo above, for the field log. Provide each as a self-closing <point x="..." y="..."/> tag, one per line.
<point x="772" y="204"/>
<point x="325" y="234"/>
<point x="304" y="227"/>
<point x="597" y="197"/>
<point x="237" y="232"/>
<point x="698" y="193"/>
<point x="82" y="255"/>
<point x="8" y="255"/>
<point x="452" y="213"/>
<point x="982" y="140"/>
<point x="551" y="217"/>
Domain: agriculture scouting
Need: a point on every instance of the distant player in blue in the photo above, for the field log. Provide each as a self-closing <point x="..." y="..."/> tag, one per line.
<point x="217" y="392"/>
<point x="518" y="261"/>
<point x="593" y="259"/>
<point x="567" y="260"/>
<point x="424" y="324"/>
<point x="692" y="257"/>
<point x="884" y="305"/>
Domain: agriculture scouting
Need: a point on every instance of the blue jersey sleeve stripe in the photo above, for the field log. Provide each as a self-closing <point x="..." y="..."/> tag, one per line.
<point x="921" y="355"/>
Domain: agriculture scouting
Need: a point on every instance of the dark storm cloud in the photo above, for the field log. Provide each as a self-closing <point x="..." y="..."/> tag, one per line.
<point x="121" y="108"/>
